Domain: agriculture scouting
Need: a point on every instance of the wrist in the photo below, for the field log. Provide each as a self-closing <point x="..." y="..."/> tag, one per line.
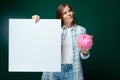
<point x="85" y="53"/>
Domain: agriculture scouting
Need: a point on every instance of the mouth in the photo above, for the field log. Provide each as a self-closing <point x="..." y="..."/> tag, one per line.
<point x="70" y="17"/>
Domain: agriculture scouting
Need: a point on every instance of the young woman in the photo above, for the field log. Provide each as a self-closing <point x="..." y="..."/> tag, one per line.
<point x="71" y="66"/>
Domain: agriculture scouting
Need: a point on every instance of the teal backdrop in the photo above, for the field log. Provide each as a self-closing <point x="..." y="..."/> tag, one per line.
<point x="101" y="18"/>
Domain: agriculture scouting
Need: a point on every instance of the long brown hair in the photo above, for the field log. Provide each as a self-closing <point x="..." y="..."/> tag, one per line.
<point x="59" y="13"/>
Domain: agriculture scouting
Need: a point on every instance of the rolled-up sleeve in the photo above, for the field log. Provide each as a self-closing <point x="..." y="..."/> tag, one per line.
<point x="84" y="56"/>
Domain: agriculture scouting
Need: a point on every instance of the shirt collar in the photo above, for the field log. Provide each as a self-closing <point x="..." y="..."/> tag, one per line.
<point x="72" y="27"/>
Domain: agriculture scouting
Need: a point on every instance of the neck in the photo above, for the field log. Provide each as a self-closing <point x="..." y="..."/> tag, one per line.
<point x="68" y="25"/>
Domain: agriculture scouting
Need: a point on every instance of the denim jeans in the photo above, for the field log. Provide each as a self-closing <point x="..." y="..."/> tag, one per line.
<point x="65" y="74"/>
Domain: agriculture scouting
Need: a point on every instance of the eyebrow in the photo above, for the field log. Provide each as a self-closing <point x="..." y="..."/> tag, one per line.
<point x="67" y="10"/>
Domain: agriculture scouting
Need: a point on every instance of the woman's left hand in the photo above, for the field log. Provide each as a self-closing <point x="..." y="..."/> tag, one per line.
<point x="85" y="52"/>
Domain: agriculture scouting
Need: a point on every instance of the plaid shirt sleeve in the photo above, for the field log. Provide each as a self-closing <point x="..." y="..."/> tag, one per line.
<point x="77" y="53"/>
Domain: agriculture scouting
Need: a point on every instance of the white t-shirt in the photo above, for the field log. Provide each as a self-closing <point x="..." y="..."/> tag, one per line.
<point x="66" y="49"/>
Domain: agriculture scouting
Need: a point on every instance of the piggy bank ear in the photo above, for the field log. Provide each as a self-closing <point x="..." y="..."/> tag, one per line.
<point x="91" y="36"/>
<point x="84" y="37"/>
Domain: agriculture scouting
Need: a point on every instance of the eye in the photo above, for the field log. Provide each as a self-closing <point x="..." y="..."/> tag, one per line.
<point x="65" y="13"/>
<point x="69" y="10"/>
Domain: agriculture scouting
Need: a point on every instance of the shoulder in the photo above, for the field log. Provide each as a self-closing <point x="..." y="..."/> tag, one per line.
<point x="78" y="27"/>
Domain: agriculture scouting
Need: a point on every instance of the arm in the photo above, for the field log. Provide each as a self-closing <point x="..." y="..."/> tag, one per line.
<point x="84" y="53"/>
<point x="84" y="56"/>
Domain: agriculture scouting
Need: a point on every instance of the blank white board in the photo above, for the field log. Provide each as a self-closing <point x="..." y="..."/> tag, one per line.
<point x="34" y="47"/>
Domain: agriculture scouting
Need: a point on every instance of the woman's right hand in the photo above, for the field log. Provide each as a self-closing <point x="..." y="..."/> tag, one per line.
<point x="36" y="18"/>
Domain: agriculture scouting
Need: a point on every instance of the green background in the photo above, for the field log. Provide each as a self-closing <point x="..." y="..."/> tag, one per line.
<point x="101" y="18"/>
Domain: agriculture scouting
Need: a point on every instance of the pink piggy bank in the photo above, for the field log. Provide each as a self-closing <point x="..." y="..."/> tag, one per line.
<point x="85" y="41"/>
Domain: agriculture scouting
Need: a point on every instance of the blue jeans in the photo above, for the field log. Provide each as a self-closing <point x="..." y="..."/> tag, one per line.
<point x="65" y="74"/>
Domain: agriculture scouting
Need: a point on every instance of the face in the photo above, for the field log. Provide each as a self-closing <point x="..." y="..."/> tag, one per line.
<point x="67" y="15"/>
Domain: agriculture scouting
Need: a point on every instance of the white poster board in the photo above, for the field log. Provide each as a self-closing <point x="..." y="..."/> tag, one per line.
<point x="34" y="47"/>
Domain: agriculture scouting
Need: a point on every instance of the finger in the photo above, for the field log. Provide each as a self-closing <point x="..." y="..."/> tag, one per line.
<point x="38" y="18"/>
<point x="79" y="46"/>
<point x="87" y="50"/>
<point x="34" y="16"/>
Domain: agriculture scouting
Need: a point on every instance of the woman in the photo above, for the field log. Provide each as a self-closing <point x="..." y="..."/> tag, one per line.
<point x="71" y="66"/>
